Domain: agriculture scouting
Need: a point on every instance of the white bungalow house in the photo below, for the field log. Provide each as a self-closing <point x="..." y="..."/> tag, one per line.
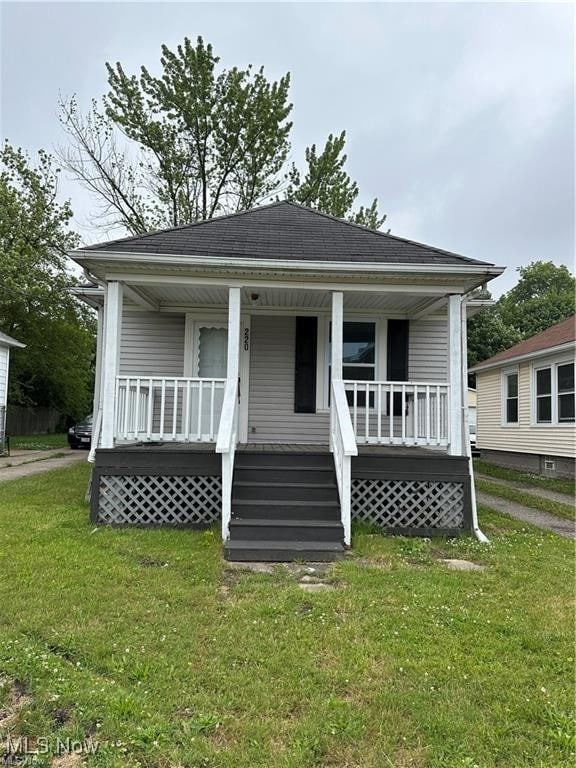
<point x="6" y="344"/>
<point x="281" y="371"/>
<point x="526" y="404"/>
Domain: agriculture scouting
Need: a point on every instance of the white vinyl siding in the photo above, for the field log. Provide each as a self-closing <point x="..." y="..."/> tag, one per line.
<point x="428" y="348"/>
<point x="4" y="352"/>
<point x="526" y="437"/>
<point x="152" y="344"/>
<point x="271" y="417"/>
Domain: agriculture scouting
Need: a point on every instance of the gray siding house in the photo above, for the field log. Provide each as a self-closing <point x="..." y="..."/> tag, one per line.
<point x="282" y="372"/>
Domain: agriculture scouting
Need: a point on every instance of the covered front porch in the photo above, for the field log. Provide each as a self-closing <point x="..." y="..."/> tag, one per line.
<point x="313" y="369"/>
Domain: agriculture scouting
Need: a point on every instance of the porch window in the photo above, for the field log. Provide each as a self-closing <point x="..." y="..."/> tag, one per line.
<point x="359" y="351"/>
<point x="358" y="356"/>
<point x="212" y="352"/>
<point x="511" y="398"/>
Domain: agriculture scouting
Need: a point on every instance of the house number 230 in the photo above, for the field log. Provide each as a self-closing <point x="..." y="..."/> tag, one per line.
<point x="246" y="339"/>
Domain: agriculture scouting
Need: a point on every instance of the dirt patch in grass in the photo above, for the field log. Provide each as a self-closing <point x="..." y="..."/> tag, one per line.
<point x="18" y="698"/>
<point x="150" y="562"/>
<point x="70" y="760"/>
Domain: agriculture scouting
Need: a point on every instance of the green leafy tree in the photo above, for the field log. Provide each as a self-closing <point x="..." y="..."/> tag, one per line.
<point x="544" y="295"/>
<point x="196" y="142"/>
<point x="327" y="187"/>
<point x="36" y="305"/>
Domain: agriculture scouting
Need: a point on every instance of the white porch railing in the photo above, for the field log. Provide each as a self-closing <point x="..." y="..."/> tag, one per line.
<point x="399" y="412"/>
<point x="161" y="409"/>
<point x="226" y="445"/>
<point x="343" y="446"/>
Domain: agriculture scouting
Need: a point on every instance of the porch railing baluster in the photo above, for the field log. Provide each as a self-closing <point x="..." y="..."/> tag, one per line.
<point x="423" y="409"/>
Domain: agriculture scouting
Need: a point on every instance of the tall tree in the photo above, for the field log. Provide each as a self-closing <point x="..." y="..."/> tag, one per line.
<point x="196" y="142"/>
<point x="327" y="187"/>
<point x="36" y="305"/>
<point x="543" y="296"/>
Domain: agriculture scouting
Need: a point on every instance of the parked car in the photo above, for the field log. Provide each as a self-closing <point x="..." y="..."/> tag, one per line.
<point x="80" y="435"/>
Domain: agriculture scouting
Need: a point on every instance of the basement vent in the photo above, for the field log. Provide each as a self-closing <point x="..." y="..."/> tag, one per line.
<point x="549" y="465"/>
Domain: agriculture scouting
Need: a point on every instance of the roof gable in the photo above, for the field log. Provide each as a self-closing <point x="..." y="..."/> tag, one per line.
<point x="283" y="231"/>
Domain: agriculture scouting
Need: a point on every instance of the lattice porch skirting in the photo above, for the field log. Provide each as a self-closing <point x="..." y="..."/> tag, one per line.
<point x="410" y="507"/>
<point x="177" y="500"/>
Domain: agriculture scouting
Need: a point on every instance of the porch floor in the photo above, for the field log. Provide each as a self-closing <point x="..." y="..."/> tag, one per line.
<point x="363" y="450"/>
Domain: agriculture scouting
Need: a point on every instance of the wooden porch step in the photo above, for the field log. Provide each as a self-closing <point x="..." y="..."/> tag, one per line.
<point x="296" y="509"/>
<point x="283" y="551"/>
<point x="282" y="491"/>
<point x="265" y="529"/>
<point x="275" y="474"/>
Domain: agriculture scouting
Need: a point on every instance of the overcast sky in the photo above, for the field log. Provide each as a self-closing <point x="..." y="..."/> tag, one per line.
<point x="460" y="117"/>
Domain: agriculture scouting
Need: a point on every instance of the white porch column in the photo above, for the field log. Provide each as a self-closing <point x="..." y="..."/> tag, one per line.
<point x="233" y="360"/>
<point x="110" y="360"/>
<point x="455" y="367"/>
<point x="98" y="368"/>
<point x="337" y="334"/>
<point x="228" y="431"/>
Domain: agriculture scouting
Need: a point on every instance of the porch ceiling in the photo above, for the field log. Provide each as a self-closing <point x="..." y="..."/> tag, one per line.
<point x="189" y="296"/>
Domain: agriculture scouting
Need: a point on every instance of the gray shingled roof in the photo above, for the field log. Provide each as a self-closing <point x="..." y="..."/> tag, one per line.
<point x="284" y="231"/>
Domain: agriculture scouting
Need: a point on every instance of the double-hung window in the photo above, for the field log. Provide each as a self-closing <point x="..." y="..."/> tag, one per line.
<point x="511" y="397"/>
<point x="554" y="394"/>
<point x="358" y="356"/>
<point x="565" y="385"/>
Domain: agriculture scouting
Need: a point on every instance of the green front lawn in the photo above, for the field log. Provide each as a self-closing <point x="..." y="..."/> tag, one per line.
<point x="537" y="481"/>
<point x="143" y="641"/>
<point x="39" y="442"/>
<point x="526" y="499"/>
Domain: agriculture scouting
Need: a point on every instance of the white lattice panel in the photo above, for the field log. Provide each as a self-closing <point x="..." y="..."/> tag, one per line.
<point x="159" y="500"/>
<point x="408" y="503"/>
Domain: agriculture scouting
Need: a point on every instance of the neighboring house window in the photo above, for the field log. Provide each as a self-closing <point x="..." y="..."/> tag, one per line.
<point x="511" y="398"/>
<point x="544" y="396"/>
<point x="555" y="394"/>
<point x="565" y="382"/>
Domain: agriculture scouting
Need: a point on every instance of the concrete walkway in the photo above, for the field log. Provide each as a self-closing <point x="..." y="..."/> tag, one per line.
<point x="543" y="493"/>
<point x="24" y="468"/>
<point x="551" y="523"/>
<point x="18" y="457"/>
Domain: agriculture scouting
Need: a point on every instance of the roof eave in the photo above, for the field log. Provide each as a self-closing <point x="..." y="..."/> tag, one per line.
<point x="489" y="365"/>
<point x="178" y="260"/>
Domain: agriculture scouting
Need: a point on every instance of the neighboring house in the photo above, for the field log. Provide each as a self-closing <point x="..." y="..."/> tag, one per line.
<point x="472" y="415"/>
<point x="6" y="343"/>
<point x="526" y="403"/>
<point x="282" y="371"/>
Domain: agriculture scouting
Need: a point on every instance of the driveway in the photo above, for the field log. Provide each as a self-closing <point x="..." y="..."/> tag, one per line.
<point x="23" y="463"/>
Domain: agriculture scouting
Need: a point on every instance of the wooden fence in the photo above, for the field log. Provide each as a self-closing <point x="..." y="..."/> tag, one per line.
<point x="31" y="421"/>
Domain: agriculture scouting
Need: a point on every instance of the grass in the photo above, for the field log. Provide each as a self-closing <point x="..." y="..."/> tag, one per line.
<point x="39" y="442"/>
<point x="537" y="481"/>
<point x="143" y="641"/>
<point x="565" y="511"/>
